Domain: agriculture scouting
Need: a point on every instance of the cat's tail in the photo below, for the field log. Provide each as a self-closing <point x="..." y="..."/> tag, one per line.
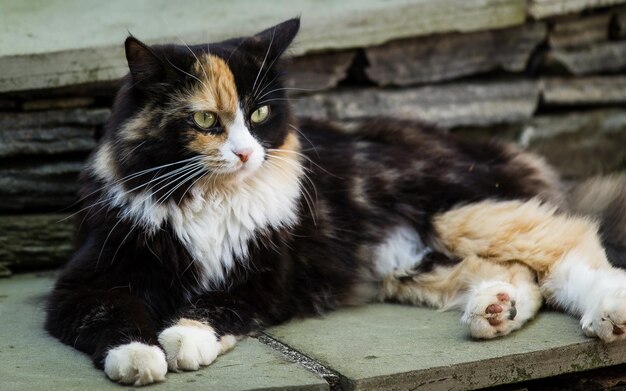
<point x="604" y="198"/>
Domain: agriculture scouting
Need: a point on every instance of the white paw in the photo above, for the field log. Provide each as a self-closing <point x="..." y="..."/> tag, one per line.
<point x="608" y="320"/>
<point x="189" y="346"/>
<point x="490" y="311"/>
<point x="135" y="363"/>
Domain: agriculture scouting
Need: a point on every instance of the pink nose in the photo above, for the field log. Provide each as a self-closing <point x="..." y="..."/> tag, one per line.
<point x="243" y="154"/>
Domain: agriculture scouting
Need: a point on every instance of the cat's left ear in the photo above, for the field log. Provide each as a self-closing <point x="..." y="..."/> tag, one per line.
<point x="275" y="40"/>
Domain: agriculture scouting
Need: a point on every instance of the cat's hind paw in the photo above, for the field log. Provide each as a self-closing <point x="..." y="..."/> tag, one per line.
<point x="608" y="320"/>
<point x="190" y="345"/>
<point x="135" y="363"/>
<point x="490" y="311"/>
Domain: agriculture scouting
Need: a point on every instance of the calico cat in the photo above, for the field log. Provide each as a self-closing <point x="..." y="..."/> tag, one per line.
<point x="209" y="211"/>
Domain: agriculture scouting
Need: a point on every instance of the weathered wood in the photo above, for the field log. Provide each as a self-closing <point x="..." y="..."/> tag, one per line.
<point x="39" y="186"/>
<point x="448" y="56"/>
<point x="30" y="242"/>
<point x="597" y="58"/>
<point x="590" y="90"/>
<point x="580" y="144"/>
<point x="545" y="8"/>
<point x="319" y="71"/>
<point x="86" y="117"/>
<point x="461" y="104"/>
<point x="580" y="31"/>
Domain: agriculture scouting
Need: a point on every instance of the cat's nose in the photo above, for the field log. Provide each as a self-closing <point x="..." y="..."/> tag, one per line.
<point x="243" y="154"/>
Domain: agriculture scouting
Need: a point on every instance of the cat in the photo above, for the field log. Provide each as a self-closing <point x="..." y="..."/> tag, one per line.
<point x="209" y="212"/>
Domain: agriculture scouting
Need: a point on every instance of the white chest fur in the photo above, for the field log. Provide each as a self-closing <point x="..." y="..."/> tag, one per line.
<point x="217" y="227"/>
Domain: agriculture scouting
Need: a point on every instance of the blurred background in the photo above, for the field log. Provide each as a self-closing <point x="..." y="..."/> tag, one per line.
<point x="548" y="75"/>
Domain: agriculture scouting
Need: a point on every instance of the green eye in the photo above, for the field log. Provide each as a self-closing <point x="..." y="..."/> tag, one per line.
<point x="260" y="114"/>
<point x="205" y="119"/>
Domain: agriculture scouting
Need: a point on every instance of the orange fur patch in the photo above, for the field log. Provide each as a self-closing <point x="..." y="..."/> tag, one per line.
<point x="528" y="232"/>
<point x="218" y="91"/>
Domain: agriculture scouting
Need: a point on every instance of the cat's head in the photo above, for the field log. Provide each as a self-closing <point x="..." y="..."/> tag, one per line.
<point x="201" y="111"/>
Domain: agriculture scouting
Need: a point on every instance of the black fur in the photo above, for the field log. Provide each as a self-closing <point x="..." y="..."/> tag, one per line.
<point x="126" y="284"/>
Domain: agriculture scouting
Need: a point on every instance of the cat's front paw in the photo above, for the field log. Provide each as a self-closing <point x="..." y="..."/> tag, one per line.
<point x="608" y="320"/>
<point x="190" y="345"/>
<point x="135" y="363"/>
<point x="490" y="311"/>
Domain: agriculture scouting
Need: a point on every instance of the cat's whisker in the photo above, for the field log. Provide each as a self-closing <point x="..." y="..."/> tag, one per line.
<point x="267" y="71"/>
<point x="181" y="181"/>
<point x="266" y="86"/>
<point x="285" y="89"/>
<point x="306" y="138"/>
<point x="206" y="75"/>
<point x="186" y="73"/>
<point x="264" y="59"/>
<point x="121" y="181"/>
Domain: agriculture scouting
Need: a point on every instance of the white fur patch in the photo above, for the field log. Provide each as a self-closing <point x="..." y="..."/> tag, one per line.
<point x="217" y="225"/>
<point x="135" y="363"/>
<point x="189" y="347"/>
<point x="597" y="295"/>
<point x="402" y="249"/>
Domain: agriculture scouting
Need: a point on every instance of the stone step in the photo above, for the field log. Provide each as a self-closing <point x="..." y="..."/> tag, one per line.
<point x="67" y="43"/>
<point x="396" y="347"/>
<point x="373" y="347"/>
<point x="32" y="360"/>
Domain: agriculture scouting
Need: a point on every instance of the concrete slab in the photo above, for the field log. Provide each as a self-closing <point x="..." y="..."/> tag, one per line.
<point x="52" y="43"/>
<point x="32" y="360"/>
<point x="395" y="347"/>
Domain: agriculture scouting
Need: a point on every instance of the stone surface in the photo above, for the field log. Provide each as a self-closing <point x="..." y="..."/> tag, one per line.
<point x="618" y="27"/>
<point x="40" y="46"/>
<point x="580" y="31"/>
<point x="479" y="103"/>
<point x="39" y="186"/>
<point x="394" y="347"/>
<point x="32" y="360"/>
<point x="318" y="72"/>
<point x="449" y="56"/>
<point x="46" y="141"/>
<point x="30" y="242"/>
<point x="547" y="8"/>
<point x="596" y="58"/>
<point x="580" y="144"/>
<point x="591" y="90"/>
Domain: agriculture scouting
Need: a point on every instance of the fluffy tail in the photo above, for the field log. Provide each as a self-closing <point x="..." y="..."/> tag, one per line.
<point x="605" y="199"/>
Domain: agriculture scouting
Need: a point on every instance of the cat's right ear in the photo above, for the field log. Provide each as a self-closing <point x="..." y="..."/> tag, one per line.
<point x="144" y="64"/>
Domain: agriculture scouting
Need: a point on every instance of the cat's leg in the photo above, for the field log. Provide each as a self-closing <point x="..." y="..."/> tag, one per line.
<point x="113" y="326"/>
<point x="495" y="299"/>
<point x="500" y="301"/>
<point x="204" y="330"/>
<point x="565" y="251"/>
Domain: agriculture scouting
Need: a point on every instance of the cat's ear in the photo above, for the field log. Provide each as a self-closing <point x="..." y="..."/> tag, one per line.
<point x="144" y="64"/>
<point x="275" y="40"/>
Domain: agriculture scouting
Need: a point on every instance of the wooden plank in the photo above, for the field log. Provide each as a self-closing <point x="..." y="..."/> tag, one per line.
<point x="449" y="56"/>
